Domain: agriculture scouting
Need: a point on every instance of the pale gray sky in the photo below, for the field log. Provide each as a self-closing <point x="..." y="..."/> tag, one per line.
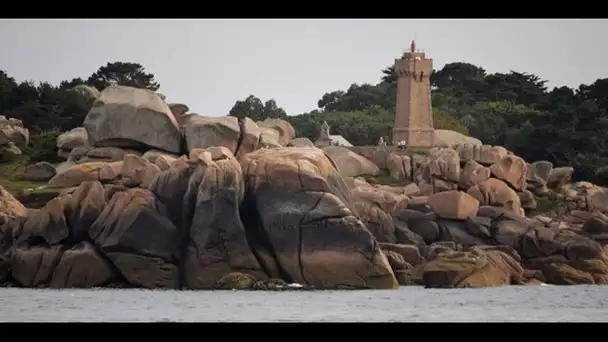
<point x="210" y="64"/>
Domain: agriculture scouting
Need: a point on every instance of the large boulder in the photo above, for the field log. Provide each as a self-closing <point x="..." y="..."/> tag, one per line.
<point x="473" y="173"/>
<point x="512" y="170"/>
<point x="454" y="204"/>
<point x="81" y="267"/>
<point x="123" y="232"/>
<point x="72" y="140"/>
<point x="88" y="92"/>
<point x="300" y="220"/>
<point x="74" y="174"/>
<point x="130" y="117"/>
<point x="399" y="166"/>
<point x="240" y="137"/>
<point x="442" y="164"/>
<point x="496" y="193"/>
<point x="12" y="131"/>
<point x="476" y="268"/>
<point x="42" y="171"/>
<point x="301" y="142"/>
<point x="451" y="139"/>
<point x="349" y="163"/>
<point x="203" y="199"/>
<point x="284" y="128"/>
<point x="10" y="207"/>
<point x="179" y="110"/>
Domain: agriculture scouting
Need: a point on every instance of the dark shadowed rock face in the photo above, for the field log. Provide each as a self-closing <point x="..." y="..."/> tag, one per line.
<point x="81" y="267"/>
<point x="134" y="231"/>
<point x="205" y="196"/>
<point x="300" y="221"/>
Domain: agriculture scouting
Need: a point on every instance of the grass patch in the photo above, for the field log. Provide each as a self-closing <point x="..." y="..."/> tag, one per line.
<point x="547" y="204"/>
<point x="13" y="169"/>
<point x="384" y="178"/>
<point x="418" y="151"/>
<point x="22" y="187"/>
<point x="33" y="194"/>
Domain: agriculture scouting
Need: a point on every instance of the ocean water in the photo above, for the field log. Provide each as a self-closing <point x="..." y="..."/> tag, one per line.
<point x="407" y="304"/>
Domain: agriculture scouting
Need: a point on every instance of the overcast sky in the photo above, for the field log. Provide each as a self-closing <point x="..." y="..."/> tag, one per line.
<point x="210" y="64"/>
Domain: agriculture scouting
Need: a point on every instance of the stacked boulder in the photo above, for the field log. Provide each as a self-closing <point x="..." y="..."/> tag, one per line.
<point x="13" y="137"/>
<point x="138" y="122"/>
<point x="156" y="197"/>
<point x="465" y="213"/>
<point x="153" y="203"/>
<point x="283" y="213"/>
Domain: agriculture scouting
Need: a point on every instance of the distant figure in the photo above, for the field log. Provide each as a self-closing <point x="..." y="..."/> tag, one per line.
<point x="324" y="130"/>
<point x="324" y="138"/>
<point x="401" y="145"/>
<point x="381" y="142"/>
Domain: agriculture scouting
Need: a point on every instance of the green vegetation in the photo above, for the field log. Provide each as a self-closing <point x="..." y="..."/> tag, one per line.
<point x="549" y="204"/>
<point x="384" y="178"/>
<point x="514" y="110"/>
<point x="31" y="193"/>
<point x="46" y="110"/>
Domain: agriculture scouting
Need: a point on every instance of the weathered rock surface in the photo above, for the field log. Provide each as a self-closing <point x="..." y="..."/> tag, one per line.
<point x="41" y="171"/>
<point x="10" y="207"/>
<point x="87" y="91"/>
<point x="132" y="118"/>
<point x="282" y="213"/>
<point x="285" y="130"/>
<point x="205" y="132"/>
<point x="13" y="132"/>
<point x="447" y="138"/>
<point x="349" y="163"/>
<point x="303" y="223"/>
<point x="71" y="140"/>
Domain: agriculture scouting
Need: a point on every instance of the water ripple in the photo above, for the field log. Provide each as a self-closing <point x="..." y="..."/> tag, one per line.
<point x="513" y="303"/>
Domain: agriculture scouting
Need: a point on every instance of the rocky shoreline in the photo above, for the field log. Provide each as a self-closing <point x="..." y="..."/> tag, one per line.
<point x="227" y="203"/>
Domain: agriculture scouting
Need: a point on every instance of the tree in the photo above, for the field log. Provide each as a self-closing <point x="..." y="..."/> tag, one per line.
<point x="123" y="73"/>
<point x="389" y="75"/>
<point x="71" y="84"/>
<point x="596" y="92"/>
<point x="253" y="108"/>
<point x="356" y="98"/>
<point x="271" y="110"/>
<point x="456" y="75"/>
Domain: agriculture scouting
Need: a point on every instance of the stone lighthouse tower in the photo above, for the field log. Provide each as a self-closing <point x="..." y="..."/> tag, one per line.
<point x="413" y="116"/>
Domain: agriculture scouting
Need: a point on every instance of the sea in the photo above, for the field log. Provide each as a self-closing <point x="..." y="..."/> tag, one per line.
<point x="581" y="303"/>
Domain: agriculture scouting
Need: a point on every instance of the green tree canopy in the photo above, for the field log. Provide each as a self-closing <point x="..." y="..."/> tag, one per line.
<point x="253" y="108"/>
<point x="123" y="73"/>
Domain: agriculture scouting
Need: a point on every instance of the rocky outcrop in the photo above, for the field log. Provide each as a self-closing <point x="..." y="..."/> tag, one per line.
<point x="73" y="140"/>
<point x="122" y="119"/>
<point x="179" y="110"/>
<point x="306" y="229"/>
<point x="473" y="220"/>
<point x="10" y="208"/>
<point x="284" y="129"/>
<point x="41" y="171"/>
<point x="229" y="203"/>
<point x="283" y="213"/>
<point x="13" y="137"/>
<point x="240" y="136"/>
